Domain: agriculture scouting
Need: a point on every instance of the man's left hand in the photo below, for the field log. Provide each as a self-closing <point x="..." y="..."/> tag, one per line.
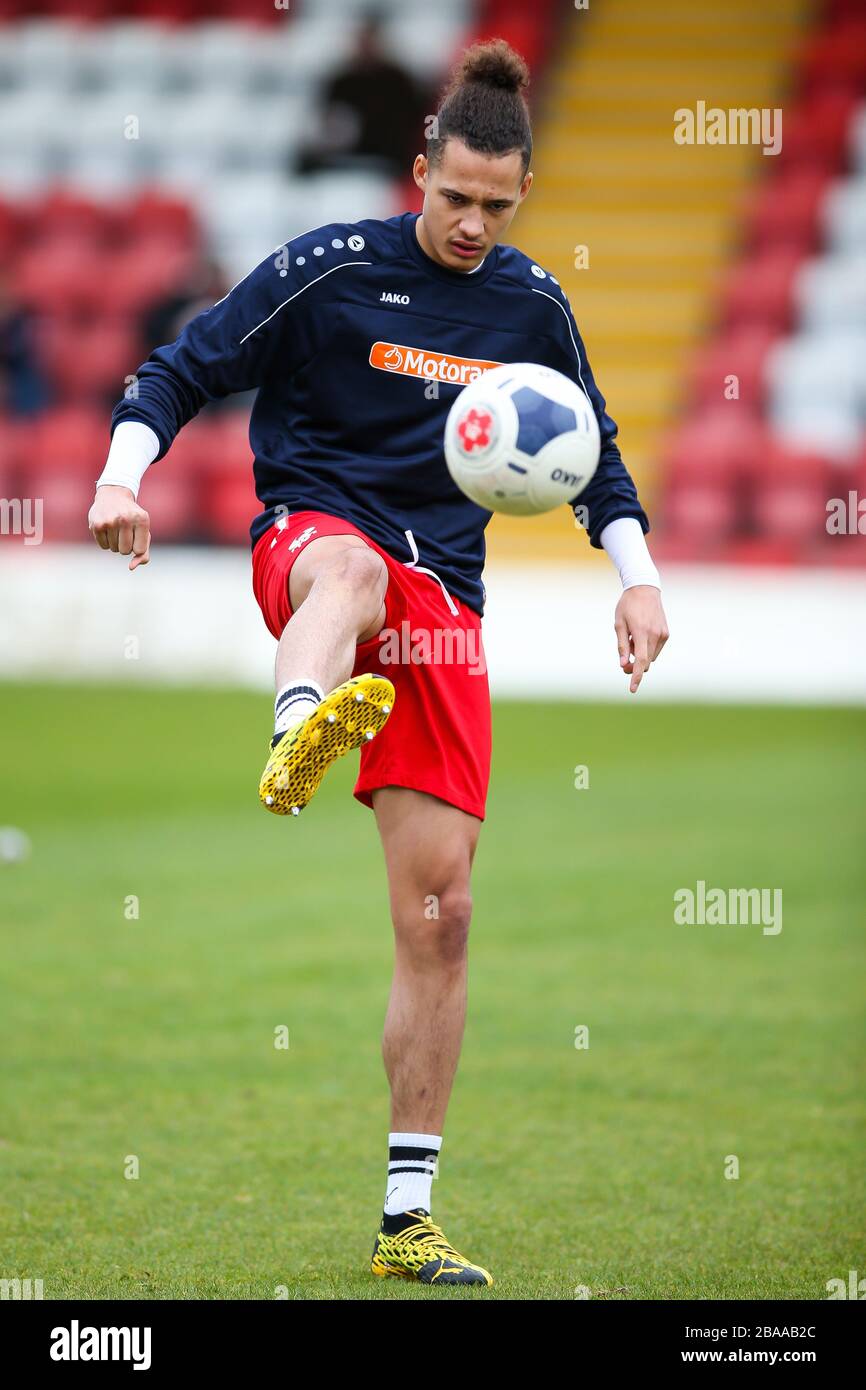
<point x="641" y="630"/>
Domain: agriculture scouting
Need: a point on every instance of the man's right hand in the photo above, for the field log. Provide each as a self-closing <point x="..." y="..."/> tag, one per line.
<point x="118" y="523"/>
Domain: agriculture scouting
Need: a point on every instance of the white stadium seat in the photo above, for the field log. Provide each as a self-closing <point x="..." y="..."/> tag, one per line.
<point x="858" y="140"/>
<point x="843" y="215"/>
<point x="831" y="292"/>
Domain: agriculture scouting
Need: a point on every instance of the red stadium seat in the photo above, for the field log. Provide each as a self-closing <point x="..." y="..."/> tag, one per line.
<point x="12" y="438"/>
<point x="723" y="446"/>
<point x="837" y="55"/>
<point x="789" y="496"/>
<point x="136" y="278"/>
<point x="89" y="360"/>
<point x="702" y="513"/>
<point x="12" y="230"/>
<point x="742" y="353"/>
<point x="784" y="211"/>
<point x="72" y="438"/>
<point x="242" y="12"/>
<point x="816" y="131"/>
<point x="92" y="10"/>
<point x="170" y="496"/>
<point x="227" y="492"/>
<point x="63" y="215"/>
<point x="67" y="280"/>
<point x="759" y="291"/>
<point x="166" y="11"/>
<point x="154" y="213"/>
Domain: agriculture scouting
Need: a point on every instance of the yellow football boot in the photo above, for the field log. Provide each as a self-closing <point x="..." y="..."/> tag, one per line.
<point x="349" y="716"/>
<point x="421" y="1252"/>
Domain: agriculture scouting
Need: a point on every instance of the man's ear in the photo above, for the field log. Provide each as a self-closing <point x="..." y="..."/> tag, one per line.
<point x="526" y="185"/>
<point x="419" y="172"/>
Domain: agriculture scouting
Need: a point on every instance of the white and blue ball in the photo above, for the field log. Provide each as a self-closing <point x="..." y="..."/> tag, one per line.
<point x="522" y="439"/>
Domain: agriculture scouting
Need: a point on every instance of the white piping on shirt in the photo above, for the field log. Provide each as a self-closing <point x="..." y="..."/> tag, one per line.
<point x="555" y="301"/>
<point x="308" y="286"/>
<point x="420" y="569"/>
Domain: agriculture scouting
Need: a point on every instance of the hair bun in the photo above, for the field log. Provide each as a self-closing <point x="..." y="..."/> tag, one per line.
<point x="495" y="64"/>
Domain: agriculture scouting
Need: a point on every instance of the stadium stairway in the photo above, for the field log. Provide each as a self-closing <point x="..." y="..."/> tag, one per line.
<point x="636" y="227"/>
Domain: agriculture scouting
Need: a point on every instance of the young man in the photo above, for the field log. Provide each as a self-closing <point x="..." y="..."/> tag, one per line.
<point x="359" y="338"/>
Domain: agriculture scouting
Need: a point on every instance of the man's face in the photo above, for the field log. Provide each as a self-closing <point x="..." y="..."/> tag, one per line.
<point x="469" y="202"/>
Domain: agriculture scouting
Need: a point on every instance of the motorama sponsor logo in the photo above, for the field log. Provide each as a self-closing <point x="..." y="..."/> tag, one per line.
<point x="426" y="364"/>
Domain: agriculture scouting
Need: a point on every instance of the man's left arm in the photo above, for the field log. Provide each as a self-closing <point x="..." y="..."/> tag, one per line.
<point x="614" y="519"/>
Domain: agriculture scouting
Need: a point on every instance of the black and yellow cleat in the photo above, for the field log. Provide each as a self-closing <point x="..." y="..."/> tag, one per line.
<point x="421" y="1252"/>
<point x="349" y="716"/>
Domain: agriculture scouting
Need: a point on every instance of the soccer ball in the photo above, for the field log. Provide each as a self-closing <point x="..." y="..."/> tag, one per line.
<point x="521" y="439"/>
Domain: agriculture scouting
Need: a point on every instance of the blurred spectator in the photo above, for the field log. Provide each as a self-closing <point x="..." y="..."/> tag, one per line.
<point x="163" y="321"/>
<point x="24" y="389"/>
<point x="201" y="289"/>
<point x="371" y="112"/>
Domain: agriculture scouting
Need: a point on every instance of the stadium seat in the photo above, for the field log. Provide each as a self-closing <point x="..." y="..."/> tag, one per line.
<point x="784" y="211"/>
<point x="226" y="490"/>
<point x="65" y="498"/>
<point x="159" y="214"/>
<point x="828" y="367"/>
<point x="836" y="56"/>
<point x="70" y="279"/>
<point x="170" y="496"/>
<point x="72" y="437"/>
<point x="138" y="277"/>
<point x="88" y="361"/>
<point x="13" y="434"/>
<point x="702" y="513"/>
<point x="789" y="497"/>
<point x="758" y="291"/>
<point x="742" y="353"/>
<point x="817" y="131"/>
<point x="830" y="292"/>
<point x="724" y="445"/>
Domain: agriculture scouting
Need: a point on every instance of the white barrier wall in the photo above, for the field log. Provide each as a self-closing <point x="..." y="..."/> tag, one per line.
<point x="190" y="617"/>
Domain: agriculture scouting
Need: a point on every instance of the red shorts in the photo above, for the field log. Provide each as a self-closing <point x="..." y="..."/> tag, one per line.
<point x="437" y="738"/>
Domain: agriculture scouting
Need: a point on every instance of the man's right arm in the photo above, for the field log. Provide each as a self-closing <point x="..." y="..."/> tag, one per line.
<point x="228" y="348"/>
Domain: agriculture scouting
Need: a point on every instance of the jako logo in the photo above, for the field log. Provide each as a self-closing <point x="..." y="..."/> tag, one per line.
<point x="386" y="297"/>
<point x="76" y="1343"/>
<point x="428" y="365"/>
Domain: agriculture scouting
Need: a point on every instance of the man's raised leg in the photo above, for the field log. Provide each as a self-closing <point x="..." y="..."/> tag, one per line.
<point x="337" y="588"/>
<point x="337" y="592"/>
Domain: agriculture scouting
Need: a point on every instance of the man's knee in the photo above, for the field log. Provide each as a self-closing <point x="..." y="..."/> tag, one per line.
<point x="345" y="561"/>
<point x="436" y="929"/>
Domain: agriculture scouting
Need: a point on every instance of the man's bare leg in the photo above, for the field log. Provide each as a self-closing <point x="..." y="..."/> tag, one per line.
<point x="336" y="590"/>
<point x="429" y="847"/>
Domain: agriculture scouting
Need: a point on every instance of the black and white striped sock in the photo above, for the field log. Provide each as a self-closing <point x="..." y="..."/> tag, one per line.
<point x="411" y="1165"/>
<point x="295" y="701"/>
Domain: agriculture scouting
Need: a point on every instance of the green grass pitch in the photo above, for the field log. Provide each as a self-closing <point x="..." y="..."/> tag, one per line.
<point x="264" y="1170"/>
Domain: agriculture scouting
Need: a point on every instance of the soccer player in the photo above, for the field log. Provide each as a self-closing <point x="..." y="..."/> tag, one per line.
<point x="359" y="337"/>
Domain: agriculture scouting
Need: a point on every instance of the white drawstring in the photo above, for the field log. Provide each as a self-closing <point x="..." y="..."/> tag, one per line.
<point x="413" y="564"/>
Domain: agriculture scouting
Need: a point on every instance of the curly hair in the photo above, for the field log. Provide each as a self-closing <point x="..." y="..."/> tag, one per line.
<point x="483" y="104"/>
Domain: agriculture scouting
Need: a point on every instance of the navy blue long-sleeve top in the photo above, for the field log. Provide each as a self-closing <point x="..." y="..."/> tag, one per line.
<point x="358" y="342"/>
